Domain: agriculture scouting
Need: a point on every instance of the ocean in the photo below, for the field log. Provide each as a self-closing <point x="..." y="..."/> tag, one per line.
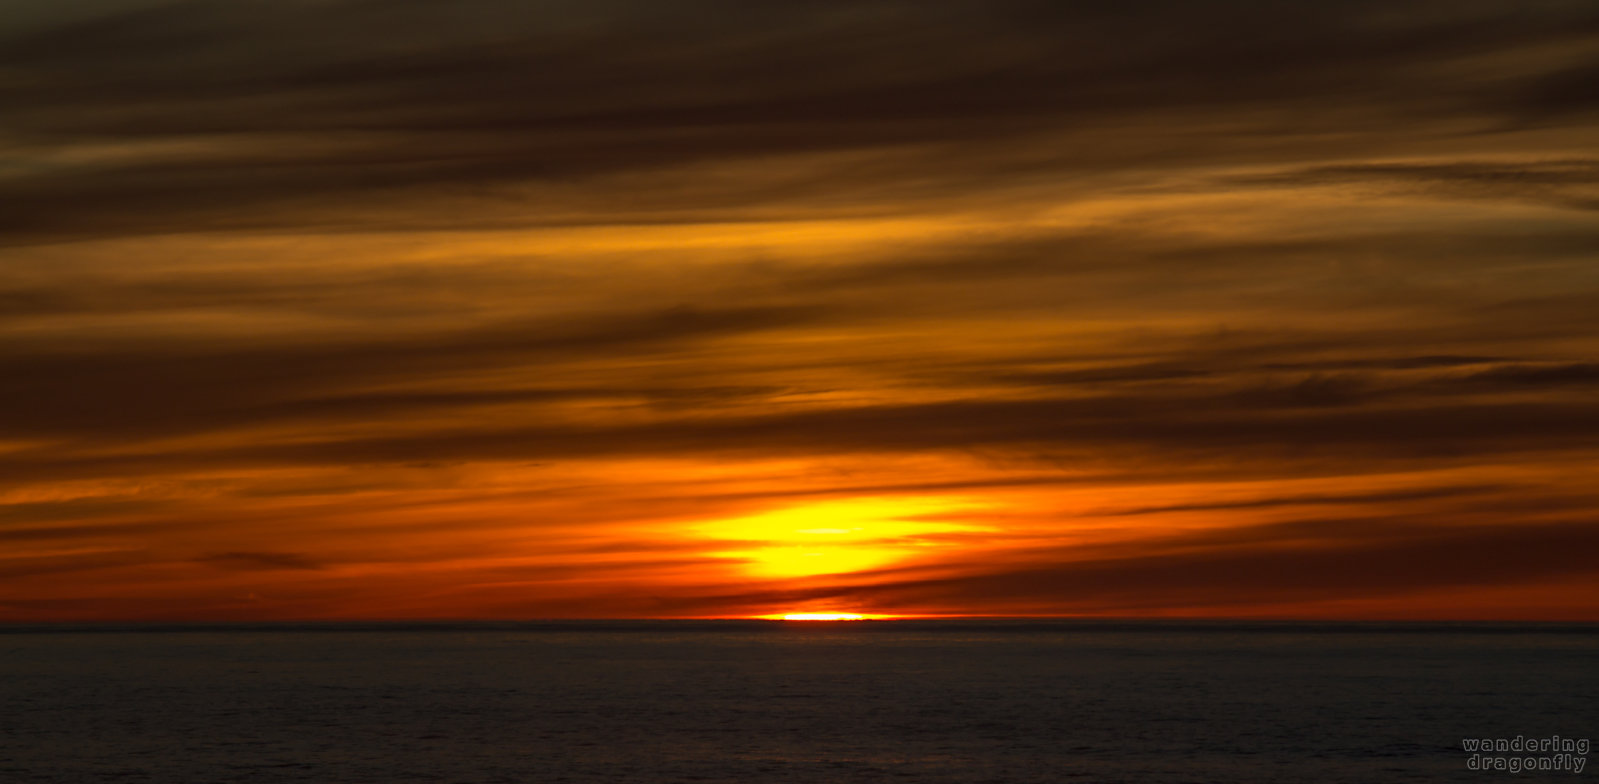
<point x="757" y="701"/>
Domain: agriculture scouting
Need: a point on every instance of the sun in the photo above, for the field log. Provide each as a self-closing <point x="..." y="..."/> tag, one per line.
<point x="827" y="616"/>
<point x="837" y="537"/>
<point x="824" y="617"/>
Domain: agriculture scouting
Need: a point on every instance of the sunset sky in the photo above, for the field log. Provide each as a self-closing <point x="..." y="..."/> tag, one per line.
<point x="316" y="309"/>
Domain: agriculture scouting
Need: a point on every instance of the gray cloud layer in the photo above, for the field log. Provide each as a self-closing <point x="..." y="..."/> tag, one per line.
<point x="161" y="117"/>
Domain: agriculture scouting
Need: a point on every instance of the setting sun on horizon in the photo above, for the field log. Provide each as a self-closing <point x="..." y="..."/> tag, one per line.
<point x="827" y="617"/>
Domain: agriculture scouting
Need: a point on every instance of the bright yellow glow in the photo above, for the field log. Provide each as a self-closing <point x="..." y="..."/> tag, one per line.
<point x="834" y="537"/>
<point x="824" y="617"/>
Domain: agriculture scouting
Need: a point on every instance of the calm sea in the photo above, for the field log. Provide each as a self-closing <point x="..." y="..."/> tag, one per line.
<point x="737" y="701"/>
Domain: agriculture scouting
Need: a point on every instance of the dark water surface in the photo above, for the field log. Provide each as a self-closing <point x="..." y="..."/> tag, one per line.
<point x="767" y="701"/>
